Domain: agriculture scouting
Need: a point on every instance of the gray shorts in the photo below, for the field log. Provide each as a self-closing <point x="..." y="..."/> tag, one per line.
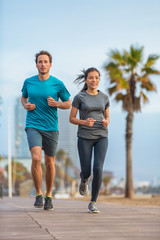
<point x="48" y="140"/>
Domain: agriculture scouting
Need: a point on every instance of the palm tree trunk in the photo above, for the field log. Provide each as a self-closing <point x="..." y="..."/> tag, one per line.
<point x="129" y="191"/>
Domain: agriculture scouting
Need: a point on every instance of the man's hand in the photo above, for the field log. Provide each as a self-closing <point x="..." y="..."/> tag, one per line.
<point x="29" y="106"/>
<point x="105" y="122"/>
<point x="89" y="122"/>
<point x="52" y="102"/>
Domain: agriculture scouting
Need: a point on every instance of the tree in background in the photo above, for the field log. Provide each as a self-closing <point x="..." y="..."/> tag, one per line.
<point x="63" y="162"/>
<point x="130" y="80"/>
<point x="67" y="164"/>
<point x="61" y="155"/>
<point x="22" y="174"/>
<point x="106" y="181"/>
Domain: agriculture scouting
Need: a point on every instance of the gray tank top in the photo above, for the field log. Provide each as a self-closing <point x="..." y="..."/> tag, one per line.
<point x="91" y="106"/>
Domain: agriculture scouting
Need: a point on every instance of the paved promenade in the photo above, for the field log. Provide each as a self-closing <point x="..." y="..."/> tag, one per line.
<point x="70" y="220"/>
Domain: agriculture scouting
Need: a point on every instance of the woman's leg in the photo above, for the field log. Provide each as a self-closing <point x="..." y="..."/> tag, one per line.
<point x="85" y="147"/>
<point x="100" y="149"/>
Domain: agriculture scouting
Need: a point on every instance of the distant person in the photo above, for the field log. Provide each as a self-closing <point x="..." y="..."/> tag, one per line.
<point x="40" y="95"/>
<point x="93" y="106"/>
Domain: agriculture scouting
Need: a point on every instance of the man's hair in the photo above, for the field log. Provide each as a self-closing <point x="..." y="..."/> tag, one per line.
<point x="43" y="53"/>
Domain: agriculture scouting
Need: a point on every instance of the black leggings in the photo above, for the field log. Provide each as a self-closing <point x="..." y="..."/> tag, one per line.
<point x="85" y="147"/>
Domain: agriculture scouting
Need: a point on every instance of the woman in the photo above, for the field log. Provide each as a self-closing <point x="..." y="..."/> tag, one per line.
<point x="93" y="106"/>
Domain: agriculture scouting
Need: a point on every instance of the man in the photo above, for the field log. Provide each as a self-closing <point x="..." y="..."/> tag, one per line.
<point x="40" y="96"/>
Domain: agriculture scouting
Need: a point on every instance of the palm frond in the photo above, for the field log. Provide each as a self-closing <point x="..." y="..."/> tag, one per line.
<point x="136" y="53"/>
<point x="131" y="62"/>
<point x="113" y="89"/>
<point x="135" y="56"/>
<point x="144" y="97"/>
<point x="143" y="78"/>
<point x="123" y="84"/>
<point x="119" y="97"/>
<point x="127" y="69"/>
<point x="149" y="86"/>
<point x="151" y="60"/>
<point x="111" y="65"/>
<point x="115" y="75"/>
<point x="150" y="70"/>
<point x="114" y="72"/>
<point x="116" y="55"/>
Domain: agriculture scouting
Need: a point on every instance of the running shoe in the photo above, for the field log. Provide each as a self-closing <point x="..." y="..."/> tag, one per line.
<point x="39" y="201"/>
<point x="83" y="187"/>
<point x="92" y="208"/>
<point x="48" y="203"/>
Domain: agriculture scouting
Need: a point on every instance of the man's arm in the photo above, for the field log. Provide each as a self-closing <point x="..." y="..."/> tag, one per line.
<point x="62" y="105"/>
<point x="27" y="105"/>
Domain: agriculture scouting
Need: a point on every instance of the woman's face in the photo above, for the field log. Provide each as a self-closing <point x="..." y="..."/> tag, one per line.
<point x="92" y="80"/>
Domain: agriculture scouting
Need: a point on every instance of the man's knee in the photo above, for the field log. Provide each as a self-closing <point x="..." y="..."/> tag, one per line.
<point x="36" y="159"/>
<point x="49" y="162"/>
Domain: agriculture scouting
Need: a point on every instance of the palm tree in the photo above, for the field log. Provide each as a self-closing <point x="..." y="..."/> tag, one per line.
<point x="129" y="82"/>
<point x="68" y="163"/>
<point x="64" y="162"/>
<point x="61" y="155"/>
<point x="106" y="181"/>
<point x="22" y="174"/>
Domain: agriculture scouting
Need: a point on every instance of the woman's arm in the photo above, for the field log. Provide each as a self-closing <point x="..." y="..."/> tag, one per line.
<point x="106" y="121"/>
<point x="88" y="122"/>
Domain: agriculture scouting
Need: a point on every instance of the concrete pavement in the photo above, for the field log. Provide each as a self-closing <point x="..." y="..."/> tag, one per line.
<point x="70" y="221"/>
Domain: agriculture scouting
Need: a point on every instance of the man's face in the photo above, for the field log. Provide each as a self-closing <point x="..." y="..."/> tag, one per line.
<point x="43" y="64"/>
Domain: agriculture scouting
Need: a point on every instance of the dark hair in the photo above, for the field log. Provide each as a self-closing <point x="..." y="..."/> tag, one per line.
<point x="43" y="53"/>
<point x="82" y="77"/>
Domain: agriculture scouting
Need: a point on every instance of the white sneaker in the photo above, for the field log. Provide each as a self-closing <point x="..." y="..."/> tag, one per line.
<point x="83" y="187"/>
<point x="92" y="208"/>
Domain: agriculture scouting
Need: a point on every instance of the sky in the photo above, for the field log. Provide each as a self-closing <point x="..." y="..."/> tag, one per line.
<point x="80" y="34"/>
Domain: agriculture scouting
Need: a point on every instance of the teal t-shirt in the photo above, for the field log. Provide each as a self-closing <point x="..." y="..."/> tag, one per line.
<point x="43" y="117"/>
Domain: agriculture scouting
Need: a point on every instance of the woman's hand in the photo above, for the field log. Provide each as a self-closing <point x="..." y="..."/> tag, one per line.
<point x="105" y="122"/>
<point x="89" y="122"/>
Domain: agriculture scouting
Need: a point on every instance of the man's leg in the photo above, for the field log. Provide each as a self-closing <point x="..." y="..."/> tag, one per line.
<point x="50" y="174"/>
<point x="36" y="169"/>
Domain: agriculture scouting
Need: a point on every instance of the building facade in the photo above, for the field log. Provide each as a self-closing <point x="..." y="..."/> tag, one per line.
<point x="21" y="149"/>
<point x="67" y="136"/>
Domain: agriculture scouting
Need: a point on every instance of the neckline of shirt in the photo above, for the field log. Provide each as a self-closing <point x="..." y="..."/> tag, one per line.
<point x="94" y="94"/>
<point x="44" y="80"/>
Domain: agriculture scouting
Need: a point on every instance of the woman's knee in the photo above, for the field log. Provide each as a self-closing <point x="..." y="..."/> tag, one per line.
<point x="97" y="171"/>
<point x="85" y="175"/>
